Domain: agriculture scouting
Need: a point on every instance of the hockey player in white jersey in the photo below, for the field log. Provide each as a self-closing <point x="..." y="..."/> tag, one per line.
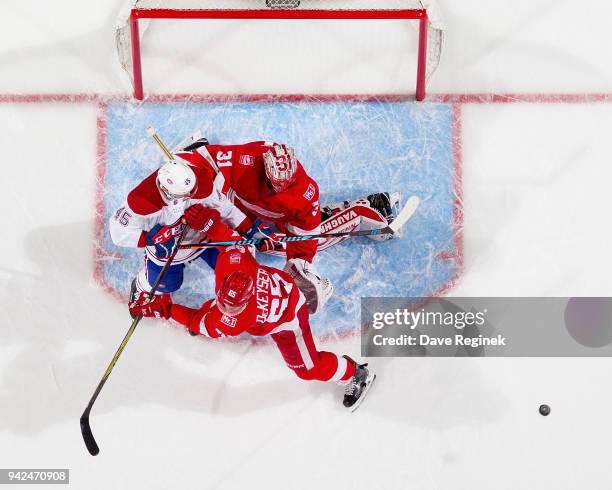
<point x="152" y="217"/>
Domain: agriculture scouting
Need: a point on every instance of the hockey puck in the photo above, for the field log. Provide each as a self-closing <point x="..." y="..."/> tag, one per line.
<point x="544" y="410"/>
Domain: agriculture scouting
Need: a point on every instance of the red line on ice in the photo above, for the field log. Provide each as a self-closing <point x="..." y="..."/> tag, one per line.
<point x="477" y="98"/>
<point x="98" y="251"/>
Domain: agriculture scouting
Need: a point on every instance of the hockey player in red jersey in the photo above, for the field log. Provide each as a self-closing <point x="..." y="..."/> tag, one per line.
<point x="267" y="182"/>
<point x="260" y="300"/>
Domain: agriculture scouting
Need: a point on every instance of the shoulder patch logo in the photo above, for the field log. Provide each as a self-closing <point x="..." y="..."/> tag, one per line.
<point x="247" y="160"/>
<point x="310" y="192"/>
<point x="230" y="321"/>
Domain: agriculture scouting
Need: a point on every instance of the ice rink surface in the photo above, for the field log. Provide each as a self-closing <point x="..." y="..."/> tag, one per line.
<point x="183" y="412"/>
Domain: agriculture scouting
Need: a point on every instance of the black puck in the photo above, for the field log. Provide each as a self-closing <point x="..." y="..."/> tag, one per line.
<point x="544" y="410"/>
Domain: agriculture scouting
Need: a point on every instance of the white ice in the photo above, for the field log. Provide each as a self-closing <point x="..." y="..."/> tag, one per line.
<point x="180" y="412"/>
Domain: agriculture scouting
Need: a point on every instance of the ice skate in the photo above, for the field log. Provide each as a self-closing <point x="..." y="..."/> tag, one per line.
<point x="358" y="387"/>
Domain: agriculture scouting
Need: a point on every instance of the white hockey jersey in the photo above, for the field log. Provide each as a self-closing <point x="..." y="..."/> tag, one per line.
<point x="144" y="208"/>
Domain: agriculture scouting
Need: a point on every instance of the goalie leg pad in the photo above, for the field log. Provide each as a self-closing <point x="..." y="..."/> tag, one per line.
<point x="194" y="139"/>
<point x="338" y="220"/>
<point x="359" y="214"/>
<point x="196" y="144"/>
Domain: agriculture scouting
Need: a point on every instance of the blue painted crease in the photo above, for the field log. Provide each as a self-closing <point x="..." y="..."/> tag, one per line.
<point x="352" y="149"/>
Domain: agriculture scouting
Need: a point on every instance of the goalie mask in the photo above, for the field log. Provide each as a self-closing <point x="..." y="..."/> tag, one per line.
<point x="176" y="180"/>
<point x="281" y="166"/>
<point x="235" y="292"/>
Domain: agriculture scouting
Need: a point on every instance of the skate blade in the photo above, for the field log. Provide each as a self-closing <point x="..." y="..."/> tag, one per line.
<point x="369" y="384"/>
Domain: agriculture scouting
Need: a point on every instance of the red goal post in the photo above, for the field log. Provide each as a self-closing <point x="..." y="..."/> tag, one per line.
<point x="425" y="12"/>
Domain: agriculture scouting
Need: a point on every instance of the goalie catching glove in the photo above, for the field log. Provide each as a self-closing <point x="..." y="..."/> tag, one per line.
<point x="317" y="289"/>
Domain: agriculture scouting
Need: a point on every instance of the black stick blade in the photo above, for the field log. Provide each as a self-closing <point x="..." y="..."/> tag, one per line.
<point x="88" y="437"/>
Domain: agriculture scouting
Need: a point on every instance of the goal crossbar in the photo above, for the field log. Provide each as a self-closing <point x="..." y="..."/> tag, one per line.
<point x="278" y="14"/>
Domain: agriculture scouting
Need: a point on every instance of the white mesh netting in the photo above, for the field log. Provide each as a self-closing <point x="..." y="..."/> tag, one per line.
<point x="434" y="40"/>
<point x="262" y="4"/>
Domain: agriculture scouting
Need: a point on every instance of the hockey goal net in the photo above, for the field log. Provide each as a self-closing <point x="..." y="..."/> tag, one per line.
<point x="424" y="12"/>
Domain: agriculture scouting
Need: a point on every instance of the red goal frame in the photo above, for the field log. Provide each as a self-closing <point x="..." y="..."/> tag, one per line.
<point x="406" y="14"/>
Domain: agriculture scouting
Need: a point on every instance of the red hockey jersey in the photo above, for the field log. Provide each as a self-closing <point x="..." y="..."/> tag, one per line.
<point x="273" y="306"/>
<point x="241" y="176"/>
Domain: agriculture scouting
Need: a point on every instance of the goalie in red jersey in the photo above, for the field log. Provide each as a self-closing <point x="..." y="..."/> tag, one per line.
<point x="270" y="186"/>
<point x="261" y="301"/>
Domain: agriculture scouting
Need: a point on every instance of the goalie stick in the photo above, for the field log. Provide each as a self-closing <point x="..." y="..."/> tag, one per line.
<point x="403" y="216"/>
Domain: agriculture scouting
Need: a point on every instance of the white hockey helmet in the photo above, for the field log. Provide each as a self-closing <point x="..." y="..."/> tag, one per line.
<point x="280" y="165"/>
<point x="176" y="180"/>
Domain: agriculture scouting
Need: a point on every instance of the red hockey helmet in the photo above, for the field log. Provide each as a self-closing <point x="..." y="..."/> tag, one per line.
<point x="235" y="292"/>
<point x="281" y="165"/>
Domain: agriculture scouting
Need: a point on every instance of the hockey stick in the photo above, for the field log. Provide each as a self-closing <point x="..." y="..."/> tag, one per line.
<point x="403" y="216"/>
<point x="151" y="132"/>
<point x="88" y="437"/>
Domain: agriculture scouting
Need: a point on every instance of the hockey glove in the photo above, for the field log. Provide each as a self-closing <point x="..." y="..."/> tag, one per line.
<point x="201" y="218"/>
<point x="159" y="306"/>
<point x="162" y="239"/>
<point x="316" y="289"/>
<point x="269" y="239"/>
